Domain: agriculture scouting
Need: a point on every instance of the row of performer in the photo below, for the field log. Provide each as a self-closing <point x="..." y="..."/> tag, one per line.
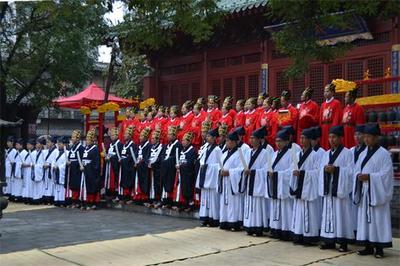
<point x="298" y="191"/>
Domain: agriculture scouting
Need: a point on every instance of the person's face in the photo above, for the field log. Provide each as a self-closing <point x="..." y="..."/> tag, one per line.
<point x="224" y="110"/>
<point x="89" y="141"/>
<point x="238" y="107"/>
<point x="210" y="105"/>
<point x="303" y="97"/>
<point x="142" y="138"/>
<point x="371" y="140"/>
<point x="284" y="102"/>
<point x="314" y="142"/>
<point x="49" y="144"/>
<point x="184" y="110"/>
<point x="185" y="143"/>
<point x="266" y="104"/>
<point x="280" y="143"/>
<point x="348" y="99"/>
<point x="334" y="140"/>
<point x="61" y="145"/>
<point x="159" y="114"/>
<point x="196" y="111"/>
<point x="29" y="146"/>
<point x="204" y="135"/>
<point x="74" y="139"/>
<point x="154" y="140"/>
<point x="230" y="144"/>
<point x="9" y="144"/>
<point x="210" y="139"/>
<point x="39" y="146"/>
<point x="254" y="142"/>
<point x="305" y="142"/>
<point x="260" y="101"/>
<point x="172" y="114"/>
<point x="149" y="117"/>
<point x="171" y="137"/>
<point x="127" y="137"/>
<point x="327" y="94"/>
<point x="359" y="138"/>
<point x="18" y="146"/>
<point x="113" y="137"/>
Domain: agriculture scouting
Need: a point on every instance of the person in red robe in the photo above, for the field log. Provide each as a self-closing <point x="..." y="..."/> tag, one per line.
<point x="140" y="126"/>
<point x="213" y="113"/>
<point x="226" y="119"/>
<point x="198" y="118"/>
<point x="353" y="115"/>
<point x="203" y="104"/>
<point x="240" y="117"/>
<point x="173" y="120"/>
<point x="308" y="112"/>
<point x="186" y="119"/>
<point x="287" y="114"/>
<point x="330" y="114"/>
<point x="228" y="104"/>
<point x="260" y="103"/>
<point x="159" y="120"/>
<point x="269" y="119"/>
<point x="251" y="118"/>
<point x="130" y="120"/>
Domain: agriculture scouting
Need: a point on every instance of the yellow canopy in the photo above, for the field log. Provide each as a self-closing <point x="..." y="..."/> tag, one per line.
<point x="342" y="85"/>
<point x="380" y="100"/>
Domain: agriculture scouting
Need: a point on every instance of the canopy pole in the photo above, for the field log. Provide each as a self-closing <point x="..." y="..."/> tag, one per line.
<point x="101" y="130"/>
<point x="87" y="123"/>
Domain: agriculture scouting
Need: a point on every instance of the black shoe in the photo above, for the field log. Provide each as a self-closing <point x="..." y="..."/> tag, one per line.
<point x="327" y="246"/>
<point x="379" y="253"/>
<point x="366" y="251"/>
<point x="343" y="248"/>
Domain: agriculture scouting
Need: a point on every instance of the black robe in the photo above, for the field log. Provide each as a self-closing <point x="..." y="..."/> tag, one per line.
<point x="168" y="165"/>
<point x="91" y="162"/>
<point x="128" y="170"/>
<point x="75" y="173"/>
<point x="142" y="167"/>
<point x="156" y="169"/>
<point x="187" y="170"/>
<point x="116" y="145"/>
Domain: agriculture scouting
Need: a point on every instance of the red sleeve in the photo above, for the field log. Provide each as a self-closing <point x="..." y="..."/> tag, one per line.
<point x="360" y="118"/>
<point x="337" y="116"/>
<point x="316" y="113"/>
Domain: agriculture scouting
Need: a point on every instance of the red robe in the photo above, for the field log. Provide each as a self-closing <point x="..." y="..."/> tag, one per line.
<point x="214" y="115"/>
<point x="269" y="119"/>
<point x="250" y="124"/>
<point x="185" y="123"/>
<point x="353" y="114"/>
<point x="232" y="113"/>
<point x="308" y="116"/>
<point x="330" y="115"/>
<point x="240" y="119"/>
<point x="126" y="123"/>
<point x="195" y="127"/>
<point x="227" y="120"/>
<point x="287" y="116"/>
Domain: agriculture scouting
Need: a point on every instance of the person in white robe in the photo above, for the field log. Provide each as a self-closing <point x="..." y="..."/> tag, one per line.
<point x="29" y="171"/>
<point x="58" y="167"/>
<point x="335" y="186"/>
<point x="277" y="188"/>
<point x="231" y="200"/>
<point x="207" y="180"/>
<point x="18" y="180"/>
<point x="373" y="191"/>
<point x="10" y="154"/>
<point x="38" y="182"/>
<point x="304" y="191"/>
<point x="255" y="212"/>
<point x="241" y="133"/>
<point x="290" y="130"/>
<point x="51" y="154"/>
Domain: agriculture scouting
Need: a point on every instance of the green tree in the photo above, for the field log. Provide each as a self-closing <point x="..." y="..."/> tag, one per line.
<point x="297" y="39"/>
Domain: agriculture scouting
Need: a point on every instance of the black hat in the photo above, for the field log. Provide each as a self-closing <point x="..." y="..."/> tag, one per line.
<point x="52" y="139"/>
<point x="317" y="132"/>
<point x="240" y="131"/>
<point x="63" y="140"/>
<point x="372" y="129"/>
<point x="234" y="136"/>
<point x="360" y="128"/>
<point x="282" y="134"/>
<point x="213" y="132"/>
<point x="32" y="141"/>
<point x="337" y="130"/>
<point x="260" y="133"/>
<point x="289" y="129"/>
<point x="41" y="140"/>
<point x="309" y="133"/>
<point x="11" y="139"/>
<point x="20" y="141"/>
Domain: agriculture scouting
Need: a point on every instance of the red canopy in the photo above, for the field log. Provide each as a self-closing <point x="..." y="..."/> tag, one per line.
<point x="92" y="97"/>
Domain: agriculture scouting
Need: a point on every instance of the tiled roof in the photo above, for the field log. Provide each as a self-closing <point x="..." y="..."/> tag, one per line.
<point x="235" y="6"/>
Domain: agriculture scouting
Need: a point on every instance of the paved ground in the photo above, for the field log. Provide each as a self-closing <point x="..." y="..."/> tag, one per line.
<point x="70" y="237"/>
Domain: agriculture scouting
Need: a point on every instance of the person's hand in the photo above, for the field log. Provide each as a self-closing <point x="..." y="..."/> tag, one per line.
<point x="82" y="168"/>
<point x="177" y="167"/>
<point x="247" y="172"/>
<point x="68" y="162"/>
<point x="363" y="177"/>
<point x="296" y="173"/>
<point x="329" y="169"/>
<point x="224" y="173"/>
<point x="270" y="173"/>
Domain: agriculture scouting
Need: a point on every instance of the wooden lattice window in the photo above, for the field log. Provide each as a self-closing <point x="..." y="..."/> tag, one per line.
<point x="376" y="70"/>
<point x="253" y="85"/>
<point x="195" y="91"/>
<point x="317" y="82"/>
<point x="184" y="93"/>
<point x="282" y="83"/>
<point x="218" y="63"/>
<point x="252" y="58"/>
<point x="335" y="71"/>
<point x="166" y="92"/>
<point x="174" y="98"/>
<point x="216" y="87"/>
<point x="227" y="87"/>
<point x="240" y="88"/>
<point x="233" y="61"/>
<point x="297" y="89"/>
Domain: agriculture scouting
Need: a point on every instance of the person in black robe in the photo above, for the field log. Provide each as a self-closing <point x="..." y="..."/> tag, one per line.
<point x="91" y="172"/>
<point x="112" y="164"/>
<point x="168" y="166"/>
<point x="186" y="168"/>
<point x="74" y="174"/>
<point x="154" y="166"/>
<point x="128" y="170"/>
<point x="143" y="171"/>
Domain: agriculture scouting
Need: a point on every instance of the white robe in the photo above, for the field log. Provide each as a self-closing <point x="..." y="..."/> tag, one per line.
<point x="281" y="209"/>
<point x="337" y="219"/>
<point x="9" y="158"/>
<point x="18" y="180"/>
<point x="306" y="206"/>
<point x="256" y="205"/>
<point x="48" y="190"/>
<point x="209" y="201"/>
<point x="231" y="200"/>
<point x="59" y="162"/>
<point x="374" y="224"/>
<point x="29" y="173"/>
<point x="38" y="183"/>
